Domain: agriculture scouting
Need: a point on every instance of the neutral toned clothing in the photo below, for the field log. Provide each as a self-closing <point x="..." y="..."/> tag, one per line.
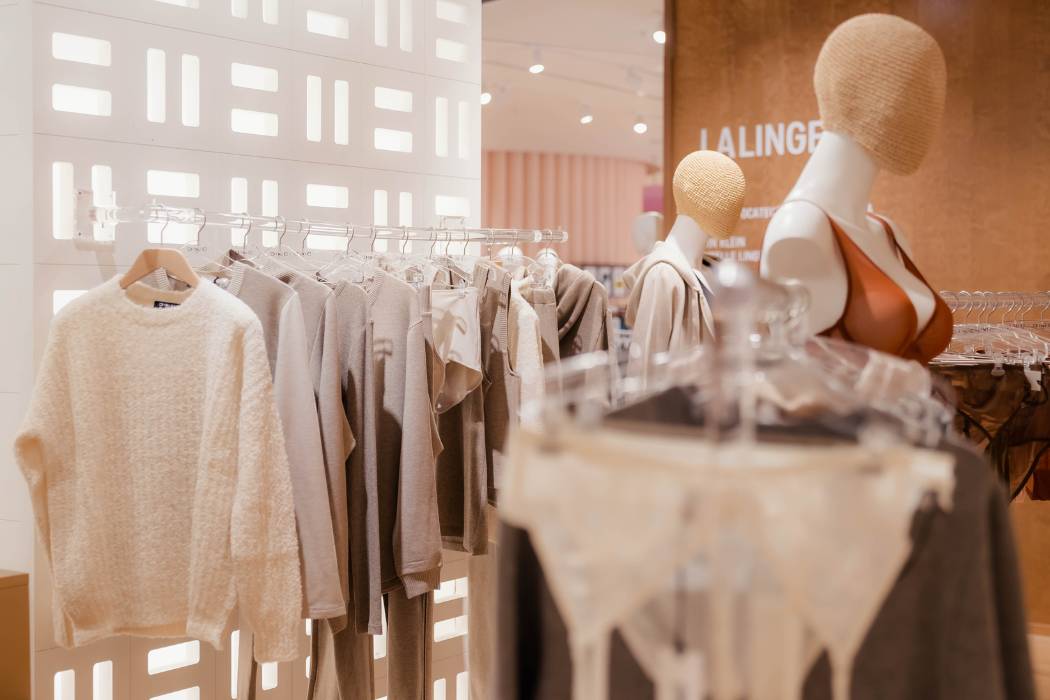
<point x="502" y="385"/>
<point x="410" y="531"/>
<point x="359" y="398"/>
<point x="457" y="342"/>
<point x="482" y="630"/>
<point x="582" y="312"/>
<point x="410" y="646"/>
<point x="667" y="309"/>
<point x="280" y="315"/>
<point x="924" y="643"/>
<point x="344" y="664"/>
<point x="461" y="471"/>
<point x="526" y="348"/>
<point x="321" y="325"/>
<point x="156" y="463"/>
<point x="545" y="302"/>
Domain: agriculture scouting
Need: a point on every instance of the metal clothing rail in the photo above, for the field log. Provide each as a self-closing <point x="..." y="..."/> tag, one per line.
<point x="450" y="229"/>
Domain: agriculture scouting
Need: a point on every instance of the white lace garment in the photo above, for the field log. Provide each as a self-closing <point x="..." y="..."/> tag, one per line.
<point x="726" y="569"/>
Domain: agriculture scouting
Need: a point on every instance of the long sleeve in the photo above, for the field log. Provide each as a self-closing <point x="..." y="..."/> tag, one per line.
<point x="43" y="446"/>
<point x="263" y="544"/>
<point x="417" y="535"/>
<point x="322" y="587"/>
<point x="328" y="367"/>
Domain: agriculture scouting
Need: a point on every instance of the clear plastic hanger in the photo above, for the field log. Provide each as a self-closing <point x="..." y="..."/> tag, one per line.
<point x="757" y="371"/>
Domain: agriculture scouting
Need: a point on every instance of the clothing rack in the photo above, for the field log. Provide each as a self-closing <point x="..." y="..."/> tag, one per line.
<point x="1008" y="334"/>
<point x="450" y="229"/>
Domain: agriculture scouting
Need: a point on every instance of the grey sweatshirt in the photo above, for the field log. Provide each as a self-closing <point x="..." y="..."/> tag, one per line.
<point x="321" y="317"/>
<point x="409" y="529"/>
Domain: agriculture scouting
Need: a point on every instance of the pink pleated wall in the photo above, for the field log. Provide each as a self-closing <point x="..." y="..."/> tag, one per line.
<point x="594" y="198"/>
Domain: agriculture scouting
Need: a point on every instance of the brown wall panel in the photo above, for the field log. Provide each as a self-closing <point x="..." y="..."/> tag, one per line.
<point x="976" y="212"/>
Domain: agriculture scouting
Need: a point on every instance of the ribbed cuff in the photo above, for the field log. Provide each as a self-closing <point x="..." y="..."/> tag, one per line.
<point x="421" y="582"/>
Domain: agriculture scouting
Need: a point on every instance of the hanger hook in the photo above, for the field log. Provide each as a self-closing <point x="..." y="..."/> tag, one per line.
<point x="302" y="245"/>
<point x="247" y="231"/>
<point x="204" y="222"/>
<point x="375" y="234"/>
<point x="349" y="237"/>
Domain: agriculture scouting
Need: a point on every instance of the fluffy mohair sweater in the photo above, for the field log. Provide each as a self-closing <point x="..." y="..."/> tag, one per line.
<point x="156" y="464"/>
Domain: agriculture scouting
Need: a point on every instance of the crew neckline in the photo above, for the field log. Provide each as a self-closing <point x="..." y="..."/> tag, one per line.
<point x="156" y="316"/>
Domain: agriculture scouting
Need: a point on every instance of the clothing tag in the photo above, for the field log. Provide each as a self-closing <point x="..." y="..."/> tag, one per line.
<point x="164" y="304"/>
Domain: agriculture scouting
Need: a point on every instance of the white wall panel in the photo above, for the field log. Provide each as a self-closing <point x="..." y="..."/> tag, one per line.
<point x="345" y="48"/>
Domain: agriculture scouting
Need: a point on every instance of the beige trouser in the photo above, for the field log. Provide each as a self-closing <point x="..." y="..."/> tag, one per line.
<point x="409" y="646"/>
<point x="482" y="574"/>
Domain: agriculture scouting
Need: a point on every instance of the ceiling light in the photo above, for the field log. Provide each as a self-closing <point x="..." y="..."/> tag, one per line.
<point x="486" y="97"/>
<point x="586" y="116"/>
<point x="660" y="36"/>
<point x="640" y="127"/>
<point x="537" y="63"/>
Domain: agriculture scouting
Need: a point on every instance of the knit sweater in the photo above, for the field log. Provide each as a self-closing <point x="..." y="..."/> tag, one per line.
<point x="156" y="465"/>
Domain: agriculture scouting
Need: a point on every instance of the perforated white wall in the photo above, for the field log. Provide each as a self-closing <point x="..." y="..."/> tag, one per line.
<point x="348" y="110"/>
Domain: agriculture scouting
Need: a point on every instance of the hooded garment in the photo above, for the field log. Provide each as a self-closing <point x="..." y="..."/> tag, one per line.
<point x="583" y="312"/>
<point x="667" y="309"/>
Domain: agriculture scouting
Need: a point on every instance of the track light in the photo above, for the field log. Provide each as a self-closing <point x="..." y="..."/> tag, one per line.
<point x="586" y="116"/>
<point x="486" y="97"/>
<point x="640" y="127"/>
<point x="537" y="63"/>
<point x="660" y="36"/>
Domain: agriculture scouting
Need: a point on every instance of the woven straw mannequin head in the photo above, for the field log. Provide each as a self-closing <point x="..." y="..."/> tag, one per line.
<point x="709" y="189"/>
<point x="881" y="80"/>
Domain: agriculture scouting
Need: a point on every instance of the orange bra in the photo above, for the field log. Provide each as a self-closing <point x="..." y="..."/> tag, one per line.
<point x="879" y="314"/>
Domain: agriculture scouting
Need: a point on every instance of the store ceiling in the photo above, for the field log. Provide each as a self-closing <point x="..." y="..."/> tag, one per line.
<point x="597" y="54"/>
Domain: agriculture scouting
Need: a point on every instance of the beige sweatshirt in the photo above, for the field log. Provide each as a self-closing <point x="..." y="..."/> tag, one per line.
<point x="667" y="309"/>
<point x="410" y="533"/>
<point x="156" y="464"/>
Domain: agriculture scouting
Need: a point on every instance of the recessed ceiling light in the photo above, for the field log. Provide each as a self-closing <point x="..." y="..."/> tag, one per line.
<point x="537" y="63"/>
<point x="586" y="118"/>
<point x="640" y="127"/>
<point x="486" y="97"/>
<point x="660" y="36"/>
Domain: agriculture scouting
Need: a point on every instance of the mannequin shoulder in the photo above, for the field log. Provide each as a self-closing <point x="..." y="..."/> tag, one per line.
<point x="798" y="219"/>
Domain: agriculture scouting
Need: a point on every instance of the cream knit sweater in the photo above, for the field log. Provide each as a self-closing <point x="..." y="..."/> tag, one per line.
<point x="156" y="465"/>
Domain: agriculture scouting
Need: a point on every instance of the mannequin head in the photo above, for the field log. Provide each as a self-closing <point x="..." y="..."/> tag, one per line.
<point x="645" y="231"/>
<point x="881" y="81"/>
<point x="709" y="189"/>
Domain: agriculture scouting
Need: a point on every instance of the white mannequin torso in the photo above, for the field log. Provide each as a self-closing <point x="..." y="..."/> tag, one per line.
<point x="687" y="236"/>
<point x="799" y="243"/>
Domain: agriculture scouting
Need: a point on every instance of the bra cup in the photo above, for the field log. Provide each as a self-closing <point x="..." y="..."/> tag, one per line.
<point x="937" y="334"/>
<point x="878" y="313"/>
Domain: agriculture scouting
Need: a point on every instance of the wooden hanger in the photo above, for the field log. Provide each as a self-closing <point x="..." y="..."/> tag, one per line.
<point x="171" y="261"/>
